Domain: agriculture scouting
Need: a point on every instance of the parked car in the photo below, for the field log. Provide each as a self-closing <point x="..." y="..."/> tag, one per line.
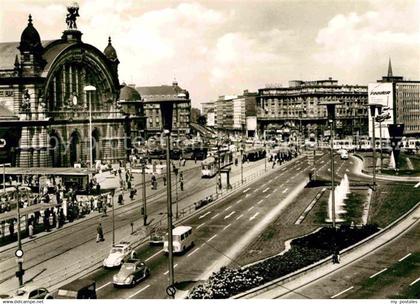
<point x="31" y="292"/>
<point x="117" y="254"/>
<point x="132" y="271"/>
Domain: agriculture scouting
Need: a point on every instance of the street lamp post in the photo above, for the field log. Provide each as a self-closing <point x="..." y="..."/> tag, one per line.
<point x="167" y="115"/>
<point x="90" y="88"/>
<point x="373" y="107"/>
<point x="143" y="180"/>
<point x="113" y="217"/>
<point x="19" y="249"/>
<point x="331" y="118"/>
<point x="241" y="149"/>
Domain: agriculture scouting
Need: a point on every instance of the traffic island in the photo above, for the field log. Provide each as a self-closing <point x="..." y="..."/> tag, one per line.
<point x="304" y="251"/>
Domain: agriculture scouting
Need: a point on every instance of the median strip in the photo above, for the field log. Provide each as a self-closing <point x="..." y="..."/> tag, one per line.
<point x="137" y="292"/>
<point x="378" y="273"/>
<point x="340" y="293"/>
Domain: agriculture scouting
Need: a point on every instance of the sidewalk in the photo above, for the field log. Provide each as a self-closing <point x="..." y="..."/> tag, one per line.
<point x="88" y="255"/>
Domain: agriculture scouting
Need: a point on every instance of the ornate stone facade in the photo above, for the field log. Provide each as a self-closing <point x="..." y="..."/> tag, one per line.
<point x="44" y="109"/>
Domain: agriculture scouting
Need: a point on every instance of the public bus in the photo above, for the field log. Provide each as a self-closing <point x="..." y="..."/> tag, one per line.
<point x="181" y="239"/>
<point x="254" y="154"/>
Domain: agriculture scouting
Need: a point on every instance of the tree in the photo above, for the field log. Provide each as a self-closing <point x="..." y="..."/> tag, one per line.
<point x="202" y="120"/>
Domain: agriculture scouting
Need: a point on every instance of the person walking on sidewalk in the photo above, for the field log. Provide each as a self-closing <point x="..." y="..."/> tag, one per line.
<point x="31" y="230"/>
<point x="99" y="234"/>
<point x="121" y="198"/>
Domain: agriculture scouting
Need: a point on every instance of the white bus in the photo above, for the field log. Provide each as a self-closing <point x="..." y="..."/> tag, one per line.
<point x="181" y="239"/>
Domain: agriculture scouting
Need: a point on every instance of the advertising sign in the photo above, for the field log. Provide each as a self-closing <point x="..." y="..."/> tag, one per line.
<point x="210" y="119"/>
<point x="251" y="123"/>
<point x="381" y="93"/>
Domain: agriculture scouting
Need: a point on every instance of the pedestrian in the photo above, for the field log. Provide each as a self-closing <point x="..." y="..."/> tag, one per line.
<point x="164" y="180"/>
<point x="121" y="198"/>
<point x="31" y="230"/>
<point x="181" y="185"/>
<point x="100" y="234"/>
<point x="12" y="228"/>
<point x="132" y="193"/>
<point x="129" y="185"/>
<point x="104" y="209"/>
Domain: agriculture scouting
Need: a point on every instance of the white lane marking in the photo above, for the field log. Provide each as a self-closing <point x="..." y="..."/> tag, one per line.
<point x="298" y="168"/>
<point x="347" y="170"/>
<point x="246" y="190"/>
<point x="259" y="202"/>
<point x="228" y="208"/>
<point x="239" y="201"/>
<point x="404" y="257"/>
<point x="103" y="286"/>
<point x="215" y="215"/>
<point x="200" y="225"/>
<point x="417" y="185"/>
<point x="340" y="293"/>
<point x="251" y="208"/>
<point x="255" y="190"/>
<point x="211" y="238"/>
<point x="268" y="195"/>
<point x="266" y="189"/>
<point x="378" y="273"/>
<point x="227" y="226"/>
<point x="285" y="190"/>
<point x="284" y="169"/>
<point x="275" y="190"/>
<point x="137" y="292"/>
<point x="415" y="281"/>
<point x="193" y="252"/>
<point x="205" y="214"/>
<point x="254" y="216"/>
<point x="152" y="256"/>
<point x="166" y="272"/>
<point x="239" y="216"/>
<point x="247" y="195"/>
<point x="230" y="214"/>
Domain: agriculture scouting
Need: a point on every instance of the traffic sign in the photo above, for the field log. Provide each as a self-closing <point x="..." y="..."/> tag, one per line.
<point x="171" y="290"/>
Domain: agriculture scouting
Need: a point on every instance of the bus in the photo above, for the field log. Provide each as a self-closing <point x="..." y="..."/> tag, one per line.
<point x="181" y="239"/>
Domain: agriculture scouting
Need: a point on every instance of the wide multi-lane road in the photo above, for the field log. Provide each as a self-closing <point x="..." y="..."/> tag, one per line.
<point x="66" y="245"/>
<point x="221" y="231"/>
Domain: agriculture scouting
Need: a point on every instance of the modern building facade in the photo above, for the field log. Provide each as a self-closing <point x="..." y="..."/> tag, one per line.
<point x="299" y="107"/>
<point x="45" y="109"/>
<point x="404" y="100"/>
<point x="153" y="96"/>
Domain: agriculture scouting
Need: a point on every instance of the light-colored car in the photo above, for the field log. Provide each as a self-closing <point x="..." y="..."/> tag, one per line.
<point x="31" y="292"/>
<point x="344" y="154"/>
<point x="132" y="271"/>
<point x="117" y="254"/>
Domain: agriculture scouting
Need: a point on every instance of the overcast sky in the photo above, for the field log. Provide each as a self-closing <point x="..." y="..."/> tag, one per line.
<point x="223" y="47"/>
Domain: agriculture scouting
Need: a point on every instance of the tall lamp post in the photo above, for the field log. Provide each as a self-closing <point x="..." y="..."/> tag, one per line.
<point x="19" y="251"/>
<point x="373" y="107"/>
<point x="90" y="88"/>
<point x="166" y="109"/>
<point x="241" y="150"/>
<point x="143" y="180"/>
<point x="331" y="105"/>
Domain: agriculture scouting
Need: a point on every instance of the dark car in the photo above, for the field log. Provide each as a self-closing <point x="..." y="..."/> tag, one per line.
<point x="131" y="272"/>
<point x="78" y="289"/>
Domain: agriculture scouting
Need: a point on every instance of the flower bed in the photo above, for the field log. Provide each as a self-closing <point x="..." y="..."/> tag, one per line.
<point x="304" y="251"/>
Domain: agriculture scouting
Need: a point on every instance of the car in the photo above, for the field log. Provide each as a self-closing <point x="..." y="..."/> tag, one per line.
<point x="132" y="271"/>
<point x="344" y="154"/>
<point x="31" y="292"/>
<point x="117" y="254"/>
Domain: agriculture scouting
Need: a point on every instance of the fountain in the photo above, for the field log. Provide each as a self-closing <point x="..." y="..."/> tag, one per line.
<point x="392" y="161"/>
<point x="340" y="192"/>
